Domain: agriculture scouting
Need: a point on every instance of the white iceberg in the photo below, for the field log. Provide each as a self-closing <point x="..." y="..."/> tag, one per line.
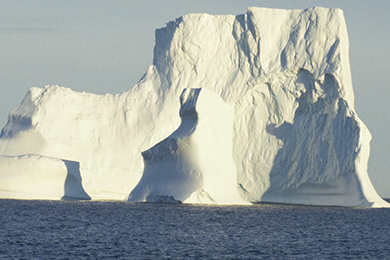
<point x="295" y="136"/>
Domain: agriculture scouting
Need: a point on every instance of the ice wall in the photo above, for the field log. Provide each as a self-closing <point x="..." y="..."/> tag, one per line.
<point x="40" y="177"/>
<point x="195" y="163"/>
<point x="296" y="137"/>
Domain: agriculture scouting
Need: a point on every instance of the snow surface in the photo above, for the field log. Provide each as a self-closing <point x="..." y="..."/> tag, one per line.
<point x="284" y="74"/>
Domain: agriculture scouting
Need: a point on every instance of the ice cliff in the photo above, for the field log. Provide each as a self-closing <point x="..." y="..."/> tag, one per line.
<point x="40" y="177"/>
<point x="195" y="163"/>
<point x="259" y="105"/>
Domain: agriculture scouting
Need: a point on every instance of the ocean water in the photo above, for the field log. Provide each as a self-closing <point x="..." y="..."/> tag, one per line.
<point x="120" y="230"/>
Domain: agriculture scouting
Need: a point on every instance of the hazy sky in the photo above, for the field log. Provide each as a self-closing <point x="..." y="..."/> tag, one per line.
<point x="106" y="46"/>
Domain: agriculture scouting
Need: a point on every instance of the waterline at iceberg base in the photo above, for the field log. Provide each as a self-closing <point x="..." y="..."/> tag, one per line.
<point x="235" y="109"/>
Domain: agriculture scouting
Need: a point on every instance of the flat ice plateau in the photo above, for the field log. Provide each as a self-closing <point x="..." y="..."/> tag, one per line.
<point x="256" y="107"/>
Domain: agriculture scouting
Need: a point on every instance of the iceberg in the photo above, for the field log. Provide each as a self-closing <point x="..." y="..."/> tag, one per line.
<point x="257" y="107"/>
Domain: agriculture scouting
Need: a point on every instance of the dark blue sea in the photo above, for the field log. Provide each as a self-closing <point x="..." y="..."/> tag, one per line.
<point x="120" y="230"/>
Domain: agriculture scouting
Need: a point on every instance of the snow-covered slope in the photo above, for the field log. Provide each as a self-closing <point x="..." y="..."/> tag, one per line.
<point x="285" y="73"/>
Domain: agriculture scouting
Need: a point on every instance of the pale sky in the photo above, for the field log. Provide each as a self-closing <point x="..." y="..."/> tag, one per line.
<point x="106" y="46"/>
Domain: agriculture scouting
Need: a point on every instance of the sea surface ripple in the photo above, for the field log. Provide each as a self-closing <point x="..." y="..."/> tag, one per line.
<point x="31" y="229"/>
